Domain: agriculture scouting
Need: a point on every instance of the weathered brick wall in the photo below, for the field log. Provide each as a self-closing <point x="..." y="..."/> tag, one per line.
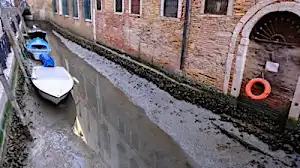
<point x="151" y="37"/>
<point x="209" y="39"/>
<point x="78" y="26"/>
<point x="158" y="40"/>
<point x="284" y="82"/>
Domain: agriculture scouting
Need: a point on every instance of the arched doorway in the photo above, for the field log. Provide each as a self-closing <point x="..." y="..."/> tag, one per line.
<point x="275" y="39"/>
<point x="241" y="34"/>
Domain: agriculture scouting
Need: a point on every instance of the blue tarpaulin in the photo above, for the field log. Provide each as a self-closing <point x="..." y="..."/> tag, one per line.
<point x="47" y="60"/>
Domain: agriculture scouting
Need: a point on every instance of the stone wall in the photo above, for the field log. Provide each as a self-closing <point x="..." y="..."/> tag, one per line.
<point x="149" y="36"/>
<point x="158" y="40"/>
<point x="42" y="10"/>
<point x="208" y="46"/>
<point x="284" y="81"/>
<point x="78" y="25"/>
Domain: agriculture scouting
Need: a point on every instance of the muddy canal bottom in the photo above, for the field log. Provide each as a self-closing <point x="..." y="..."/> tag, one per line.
<point x="55" y="143"/>
<point x="19" y="137"/>
<point x="52" y="142"/>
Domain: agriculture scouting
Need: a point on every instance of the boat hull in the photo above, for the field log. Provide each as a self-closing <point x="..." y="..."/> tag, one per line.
<point x="38" y="46"/>
<point x="55" y="100"/>
<point x="52" y="83"/>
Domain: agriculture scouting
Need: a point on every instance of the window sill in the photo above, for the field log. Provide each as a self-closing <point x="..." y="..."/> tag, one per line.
<point x="213" y="15"/>
<point x="88" y="20"/>
<point x="76" y="18"/>
<point x="170" y="18"/>
<point x="135" y="15"/>
<point x="66" y="16"/>
<point x="119" y="13"/>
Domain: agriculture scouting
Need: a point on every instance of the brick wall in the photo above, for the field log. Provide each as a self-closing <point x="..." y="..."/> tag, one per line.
<point x="150" y="36"/>
<point x="77" y="25"/>
<point x="158" y="39"/>
<point x="284" y="82"/>
<point x="209" y="39"/>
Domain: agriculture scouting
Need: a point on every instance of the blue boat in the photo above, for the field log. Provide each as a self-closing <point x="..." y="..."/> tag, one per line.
<point x="38" y="46"/>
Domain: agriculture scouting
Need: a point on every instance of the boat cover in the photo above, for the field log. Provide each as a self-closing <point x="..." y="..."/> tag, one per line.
<point x="47" y="60"/>
<point x="55" y="81"/>
<point x="45" y="73"/>
<point x="36" y="32"/>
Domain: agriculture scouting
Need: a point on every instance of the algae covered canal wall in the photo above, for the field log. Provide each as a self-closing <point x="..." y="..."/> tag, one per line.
<point x="267" y="124"/>
<point x="11" y="73"/>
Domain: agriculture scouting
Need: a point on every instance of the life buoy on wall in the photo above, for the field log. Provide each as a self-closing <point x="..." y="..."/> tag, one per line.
<point x="262" y="96"/>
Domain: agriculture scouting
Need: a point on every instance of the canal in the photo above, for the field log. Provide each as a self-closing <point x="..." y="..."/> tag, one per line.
<point x="115" y="121"/>
<point x="156" y="147"/>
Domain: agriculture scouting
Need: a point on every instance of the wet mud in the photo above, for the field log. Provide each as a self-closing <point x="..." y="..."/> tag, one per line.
<point x="55" y="144"/>
<point x="48" y="139"/>
<point x="267" y="124"/>
<point x="19" y="138"/>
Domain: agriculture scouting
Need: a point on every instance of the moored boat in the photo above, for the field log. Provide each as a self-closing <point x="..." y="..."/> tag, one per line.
<point x="38" y="46"/>
<point x="37" y="32"/>
<point x="52" y="83"/>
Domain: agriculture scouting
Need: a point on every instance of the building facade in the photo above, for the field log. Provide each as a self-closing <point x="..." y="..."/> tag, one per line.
<point x="222" y="43"/>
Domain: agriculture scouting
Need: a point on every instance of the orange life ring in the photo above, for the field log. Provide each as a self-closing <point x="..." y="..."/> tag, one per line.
<point x="262" y="96"/>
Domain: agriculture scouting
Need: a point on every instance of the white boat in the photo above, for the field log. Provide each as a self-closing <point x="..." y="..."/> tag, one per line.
<point x="52" y="83"/>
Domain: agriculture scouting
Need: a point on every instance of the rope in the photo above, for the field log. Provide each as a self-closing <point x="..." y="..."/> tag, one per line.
<point x="23" y="52"/>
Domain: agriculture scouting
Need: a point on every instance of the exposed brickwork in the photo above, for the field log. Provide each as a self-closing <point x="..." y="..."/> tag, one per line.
<point x="284" y="82"/>
<point x="158" y="40"/>
<point x="150" y="37"/>
<point x="79" y="26"/>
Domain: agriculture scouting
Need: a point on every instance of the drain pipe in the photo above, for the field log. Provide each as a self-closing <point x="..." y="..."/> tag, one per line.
<point x="185" y="32"/>
<point x="94" y="6"/>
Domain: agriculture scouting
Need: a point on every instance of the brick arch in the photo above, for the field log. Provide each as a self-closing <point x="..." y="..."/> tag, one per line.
<point x="243" y="29"/>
